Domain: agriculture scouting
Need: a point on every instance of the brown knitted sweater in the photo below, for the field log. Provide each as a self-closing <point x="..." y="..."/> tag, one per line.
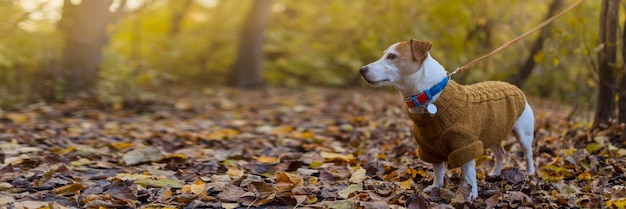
<point x="470" y="119"/>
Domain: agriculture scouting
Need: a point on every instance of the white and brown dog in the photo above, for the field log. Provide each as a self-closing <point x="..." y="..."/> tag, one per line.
<point x="453" y="123"/>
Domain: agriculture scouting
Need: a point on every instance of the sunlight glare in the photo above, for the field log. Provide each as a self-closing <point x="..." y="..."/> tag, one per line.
<point x="208" y="3"/>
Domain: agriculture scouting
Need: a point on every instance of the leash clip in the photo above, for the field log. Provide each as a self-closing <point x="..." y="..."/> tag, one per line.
<point x="454" y="72"/>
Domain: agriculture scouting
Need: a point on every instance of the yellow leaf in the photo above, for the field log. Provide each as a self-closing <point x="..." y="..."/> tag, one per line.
<point x="593" y="147"/>
<point x="332" y="156"/>
<point x="193" y="188"/>
<point x="381" y="156"/>
<point x="166" y="195"/>
<point x="75" y="131"/>
<point x="619" y="203"/>
<point x="66" y="150"/>
<point x="358" y="176"/>
<point x="161" y="182"/>
<point x="175" y="157"/>
<point x="569" y="152"/>
<point x="293" y="179"/>
<point x="555" y="61"/>
<point x="121" y="145"/>
<point x="412" y="172"/>
<point x="234" y="172"/>
<point x="406" y="185"/>
<point x="585" y="176"/>
<point x="69" y="189"/>
<point x="480" y="176"/>
<point x="266" y="159"/>
<point x="313" y="180"/>
<point x="422" y="172"/>
<point x="222" y="134"/>
<point x="132" y="176"/>
<point x="17" y="118"/>
<point x="304" y="135"/>
<point x="80" y="162"/>
<point x="538" y="57"/>
<point x="315" y="164"/>
<point x="230" y="205"/>
<point x="282" y="130"/>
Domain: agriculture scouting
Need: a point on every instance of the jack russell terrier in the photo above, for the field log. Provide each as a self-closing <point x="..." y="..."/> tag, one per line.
<point x="453" y="123"/>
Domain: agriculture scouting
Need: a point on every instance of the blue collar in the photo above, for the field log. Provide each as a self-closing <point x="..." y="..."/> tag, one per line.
<point x="425" y="97"/>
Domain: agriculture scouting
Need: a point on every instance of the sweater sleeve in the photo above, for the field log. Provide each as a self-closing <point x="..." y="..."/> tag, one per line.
<point x="464" y="148"/>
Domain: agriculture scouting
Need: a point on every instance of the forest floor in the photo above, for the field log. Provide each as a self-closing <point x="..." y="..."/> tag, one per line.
<point x="284" y="148"/>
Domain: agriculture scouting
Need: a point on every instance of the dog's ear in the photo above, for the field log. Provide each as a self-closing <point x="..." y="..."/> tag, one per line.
<point x="420" y="49"/>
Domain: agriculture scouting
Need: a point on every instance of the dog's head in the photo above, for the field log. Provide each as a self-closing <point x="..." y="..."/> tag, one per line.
<point x="400" y="60"/>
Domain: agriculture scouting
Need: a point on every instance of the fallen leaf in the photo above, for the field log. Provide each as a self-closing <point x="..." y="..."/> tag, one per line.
<point x="16" y="117"/>
<point x="38" y="204"/>
<point x="358" y="176"/>
<point x="493" y="200"/>
<point x="619" y="203"/>
<point x="160" y="182"/>
<point x="234" y="172"/>
<point x="341" y="204"/>
<point x="231" y="194"/>
<point x="328" y="156"/>
<point x="69" y="189"/>
<point x="142" y="155"/>
<point x="230" y="205"/>
<point x="196" y="188"/>
<point x="406" y="185"/>
<point x="418" y="202"/>
<point x="6" y="200"/>
<point x="266" y="159"/>
<point x="352" y="188"/>
<point x="513" y="175"/>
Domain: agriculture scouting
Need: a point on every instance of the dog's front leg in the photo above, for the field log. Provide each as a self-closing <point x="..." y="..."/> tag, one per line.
<point x="469" y="175"/>
<point x="439" y="170"/>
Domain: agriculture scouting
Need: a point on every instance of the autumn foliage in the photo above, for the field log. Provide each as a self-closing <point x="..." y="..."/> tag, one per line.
<point x="282" y="148"/>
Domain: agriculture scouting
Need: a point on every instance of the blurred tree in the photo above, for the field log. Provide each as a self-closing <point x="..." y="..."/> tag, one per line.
<point x="605" y="109"/>
<point x="622" y="90"/>
<point x="246" y="70"/>
<point x="84" y="26"/>
<point x="528" y="66"/>
<point x="178" y="12"/>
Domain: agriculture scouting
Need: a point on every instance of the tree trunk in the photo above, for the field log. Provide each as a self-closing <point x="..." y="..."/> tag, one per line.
<point x="246" y="70"/>
<point x="84" y="27"/>
<point x="528" y="66"/>
<point x="622" y="92"/>
<point x="178" y="12"/>
<point x="605" y="109"/>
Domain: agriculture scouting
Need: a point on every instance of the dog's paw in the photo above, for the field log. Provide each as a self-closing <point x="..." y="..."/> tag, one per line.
<point x="494" y="174"/>
<point x="430" y="188"/>
<point x="472" y="196"/>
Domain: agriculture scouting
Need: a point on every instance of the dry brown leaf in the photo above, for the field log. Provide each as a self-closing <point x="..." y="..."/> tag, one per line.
<point x="418" y="202"/>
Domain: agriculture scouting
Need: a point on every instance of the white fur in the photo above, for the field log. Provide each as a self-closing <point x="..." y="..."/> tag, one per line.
<point x="384" y="72"/>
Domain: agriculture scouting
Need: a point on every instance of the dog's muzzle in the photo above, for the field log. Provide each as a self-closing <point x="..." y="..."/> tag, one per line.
<point x="363" y="70"/>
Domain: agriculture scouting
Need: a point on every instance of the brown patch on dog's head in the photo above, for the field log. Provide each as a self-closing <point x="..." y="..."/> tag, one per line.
<point x="420" y="49"/>
<point x="411" y="55"/>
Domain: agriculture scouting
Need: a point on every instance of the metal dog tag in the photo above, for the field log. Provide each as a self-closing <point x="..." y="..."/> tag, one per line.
<point x="431" y="109"/>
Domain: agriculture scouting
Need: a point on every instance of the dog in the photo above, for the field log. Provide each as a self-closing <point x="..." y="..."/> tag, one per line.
<point x="453" y="123"/>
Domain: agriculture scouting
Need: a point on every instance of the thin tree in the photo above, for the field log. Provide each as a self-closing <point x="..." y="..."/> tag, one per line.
<point x="605" y="109"/>
<point x="178" y="12"/>
<point x="246" y="70"/>
<point x="622" y="90"/>
<point x="526" y="69"/>
<point x="84" y="27"/>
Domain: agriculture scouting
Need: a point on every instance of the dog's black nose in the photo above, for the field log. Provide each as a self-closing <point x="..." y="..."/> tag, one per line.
<point x="363" y="70"/>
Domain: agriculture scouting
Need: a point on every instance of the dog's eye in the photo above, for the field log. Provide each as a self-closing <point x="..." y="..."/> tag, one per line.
<point x="391" y="56"/>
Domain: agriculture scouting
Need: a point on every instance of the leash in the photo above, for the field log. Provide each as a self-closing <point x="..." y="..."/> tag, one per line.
<point x="509" y="43"/>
